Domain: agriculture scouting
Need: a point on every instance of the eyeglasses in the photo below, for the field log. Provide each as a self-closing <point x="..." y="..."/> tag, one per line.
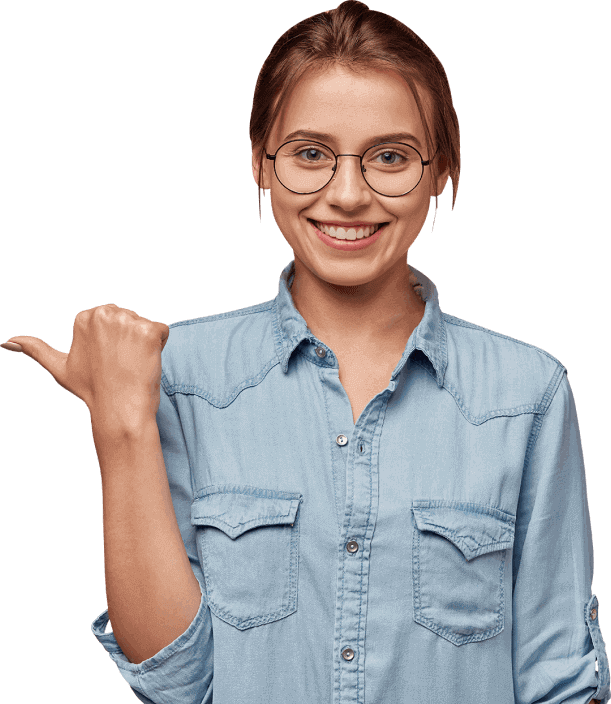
<point x="390" y="168"/>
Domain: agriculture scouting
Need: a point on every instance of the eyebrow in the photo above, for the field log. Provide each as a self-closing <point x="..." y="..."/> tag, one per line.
<point x="325" y="137"/>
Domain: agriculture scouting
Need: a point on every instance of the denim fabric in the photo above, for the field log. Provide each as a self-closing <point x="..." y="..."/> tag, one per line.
<point x="438" y="550"/>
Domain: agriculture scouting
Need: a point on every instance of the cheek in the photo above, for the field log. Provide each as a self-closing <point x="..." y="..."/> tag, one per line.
<point x="286" y="212"/>
<point x="288" y="207"/>
<point x="422" y="198"/>
<point x="412" y="210"/>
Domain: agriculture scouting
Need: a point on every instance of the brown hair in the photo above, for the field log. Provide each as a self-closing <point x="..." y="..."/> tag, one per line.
<point x="357" y="38"/>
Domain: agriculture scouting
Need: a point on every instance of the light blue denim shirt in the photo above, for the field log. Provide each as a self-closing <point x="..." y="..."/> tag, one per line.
<point x="438" y="550"/>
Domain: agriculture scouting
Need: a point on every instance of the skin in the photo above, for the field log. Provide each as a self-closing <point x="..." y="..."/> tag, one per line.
<point x="360" y="300"/>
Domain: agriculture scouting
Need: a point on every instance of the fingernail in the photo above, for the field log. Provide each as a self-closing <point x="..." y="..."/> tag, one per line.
<point x="13" y="346"/>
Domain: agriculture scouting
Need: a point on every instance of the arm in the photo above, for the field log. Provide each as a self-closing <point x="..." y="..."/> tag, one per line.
<point x="152" y="592"/>
<point x="154" y="581"/>
<point x="556" y="631"/>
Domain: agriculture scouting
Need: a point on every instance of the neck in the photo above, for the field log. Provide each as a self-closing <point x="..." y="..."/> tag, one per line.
<point x="383" y="311"/>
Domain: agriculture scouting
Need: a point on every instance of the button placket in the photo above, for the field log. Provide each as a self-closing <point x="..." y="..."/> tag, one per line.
<point x="352" y="546"/>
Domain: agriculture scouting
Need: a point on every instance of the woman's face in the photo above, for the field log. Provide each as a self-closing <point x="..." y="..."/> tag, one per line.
<point x="353" y="112"/>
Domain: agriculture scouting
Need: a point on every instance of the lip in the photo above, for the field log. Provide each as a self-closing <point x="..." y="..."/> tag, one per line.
<point x="348" y="245"/>
<point x="346" y="224"/>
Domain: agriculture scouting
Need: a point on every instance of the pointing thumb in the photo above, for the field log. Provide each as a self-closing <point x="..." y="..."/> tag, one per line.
<point x="48" y="357"/>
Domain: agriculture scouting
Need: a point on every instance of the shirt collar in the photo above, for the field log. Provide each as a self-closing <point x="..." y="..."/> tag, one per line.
<point x="429" y="336"/>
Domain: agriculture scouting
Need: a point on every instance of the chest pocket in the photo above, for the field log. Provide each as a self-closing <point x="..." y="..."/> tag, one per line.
<point x="459" y="551"/>
<point x="248" y="545"/>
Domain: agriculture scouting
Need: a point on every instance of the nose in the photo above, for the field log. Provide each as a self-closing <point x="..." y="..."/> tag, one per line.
<point x="348" y="177"/>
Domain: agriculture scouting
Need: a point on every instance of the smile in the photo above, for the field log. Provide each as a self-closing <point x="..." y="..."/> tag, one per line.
<point x="350" y="239"/>
<point x="347" y="233"/>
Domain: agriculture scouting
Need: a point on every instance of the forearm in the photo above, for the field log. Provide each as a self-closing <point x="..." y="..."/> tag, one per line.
<point x="151" y="590"/>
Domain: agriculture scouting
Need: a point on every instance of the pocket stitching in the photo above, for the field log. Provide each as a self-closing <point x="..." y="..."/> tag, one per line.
<point x="289" y="595"/>
<point x="446" y="632"/>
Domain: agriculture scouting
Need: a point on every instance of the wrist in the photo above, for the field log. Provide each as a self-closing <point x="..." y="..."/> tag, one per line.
<point x="121" y="426"/>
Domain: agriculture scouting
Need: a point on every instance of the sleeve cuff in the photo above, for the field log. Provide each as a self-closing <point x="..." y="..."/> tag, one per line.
<point x="109" y="642"/>
<point x="602" y="693"/>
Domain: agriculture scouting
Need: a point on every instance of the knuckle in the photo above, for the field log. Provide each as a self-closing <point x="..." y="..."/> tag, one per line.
<point x="128" y="320"/>
<point x="81" y="318"/>
<point x="147" y="328"/>
<point x="110" y="312"/>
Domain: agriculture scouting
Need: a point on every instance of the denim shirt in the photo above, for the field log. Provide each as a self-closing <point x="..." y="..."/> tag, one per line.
<point x="437" y="550"/>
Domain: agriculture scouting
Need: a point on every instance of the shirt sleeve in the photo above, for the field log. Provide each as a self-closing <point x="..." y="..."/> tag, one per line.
<point x="180" y="673"/>
<point x="556" y="632"/>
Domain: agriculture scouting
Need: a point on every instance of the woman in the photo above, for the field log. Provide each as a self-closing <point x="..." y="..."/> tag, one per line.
<point x="314" y="498"/>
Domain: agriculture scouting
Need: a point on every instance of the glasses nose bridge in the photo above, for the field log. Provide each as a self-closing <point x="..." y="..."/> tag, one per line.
<point x="358" y="156"/>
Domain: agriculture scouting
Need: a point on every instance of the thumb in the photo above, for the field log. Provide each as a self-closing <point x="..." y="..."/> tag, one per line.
<point x="48" y="357"/>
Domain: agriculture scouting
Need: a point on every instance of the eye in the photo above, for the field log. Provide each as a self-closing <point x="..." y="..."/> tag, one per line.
<point x="391" y="158"/>
<point x="310" y="154"/>
<point x="305" y="154"/>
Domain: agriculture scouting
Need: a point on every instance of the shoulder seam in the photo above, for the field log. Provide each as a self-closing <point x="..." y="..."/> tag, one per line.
<point x="257" y="308"/>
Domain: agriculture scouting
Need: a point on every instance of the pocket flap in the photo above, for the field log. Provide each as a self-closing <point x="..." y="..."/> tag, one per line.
<point x="474" y="529"/>
<point x="237" y="508"/>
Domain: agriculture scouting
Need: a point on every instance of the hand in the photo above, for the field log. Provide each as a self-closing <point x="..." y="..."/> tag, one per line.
<point x="114" y="363"/>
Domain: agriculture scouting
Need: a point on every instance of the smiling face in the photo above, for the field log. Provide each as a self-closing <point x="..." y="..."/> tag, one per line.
<point x="350" y="112"/>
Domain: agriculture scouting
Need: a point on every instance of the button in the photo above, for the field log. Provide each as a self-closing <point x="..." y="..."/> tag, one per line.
<point x="348" y="654"/>
<point x="593" y="613"/>
<point x="352" y="546"/>
<point x="321" y="352"/>
<point x="341" y="440"/>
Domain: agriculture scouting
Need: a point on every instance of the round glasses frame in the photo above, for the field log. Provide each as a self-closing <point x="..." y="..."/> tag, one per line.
<point x="272" y="157"/>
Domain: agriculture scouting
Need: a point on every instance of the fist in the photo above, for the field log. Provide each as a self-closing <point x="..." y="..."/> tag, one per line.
<point x="114" y="363"/>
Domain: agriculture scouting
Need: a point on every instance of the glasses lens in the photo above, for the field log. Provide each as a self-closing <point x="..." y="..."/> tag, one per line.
<point x="391" y="169"/>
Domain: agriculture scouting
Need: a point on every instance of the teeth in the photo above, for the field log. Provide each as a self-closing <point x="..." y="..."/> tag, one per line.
<point x="351" y="233"/>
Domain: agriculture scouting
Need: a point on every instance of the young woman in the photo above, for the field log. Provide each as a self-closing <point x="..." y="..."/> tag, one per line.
<point x="342" y="494"/>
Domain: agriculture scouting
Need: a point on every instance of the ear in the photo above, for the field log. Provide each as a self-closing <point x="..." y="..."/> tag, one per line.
<point x="443" y="173"/>
<point x="255" y="170"/>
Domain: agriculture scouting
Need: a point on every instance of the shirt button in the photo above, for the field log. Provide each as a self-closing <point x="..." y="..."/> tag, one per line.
<point x="341" y="440"/>
<point x="348" y="654"/>
<point x="321" y="352"/>
<point x="593" y="613"/>
<point x="352" y="546"/>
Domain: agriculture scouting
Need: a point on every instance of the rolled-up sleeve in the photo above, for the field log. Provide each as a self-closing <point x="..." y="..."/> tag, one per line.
<point x="180" y="673"/>
<point x="558" y="651"/>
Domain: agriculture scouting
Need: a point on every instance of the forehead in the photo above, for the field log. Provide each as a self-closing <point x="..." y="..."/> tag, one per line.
<point x="351" y="107"/>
